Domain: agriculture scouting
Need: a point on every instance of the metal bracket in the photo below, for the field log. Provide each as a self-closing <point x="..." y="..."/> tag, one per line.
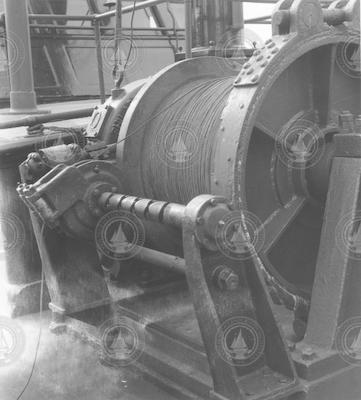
<point x="231" y="296"/>
<point x="336" y="295"/>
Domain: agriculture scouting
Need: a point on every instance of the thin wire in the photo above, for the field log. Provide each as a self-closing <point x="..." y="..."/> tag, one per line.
<point x="131" y="36"/>
<point x="170" y="12"/>
<point x="40" y="329"/>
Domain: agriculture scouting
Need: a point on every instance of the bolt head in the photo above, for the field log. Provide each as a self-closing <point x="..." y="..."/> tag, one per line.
<point x="232" y="282"/>
<point x="308" y="353"/>
<point x="226" y="279"/>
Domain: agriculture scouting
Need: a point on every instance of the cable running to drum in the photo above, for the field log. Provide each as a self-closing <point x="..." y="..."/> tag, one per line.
<point x="178" y="151"/>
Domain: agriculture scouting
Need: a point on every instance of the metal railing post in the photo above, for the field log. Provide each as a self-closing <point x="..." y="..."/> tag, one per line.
<point x="188" y="27"/>
<point x="22" y="93"/>
<point x="98" y="45"/>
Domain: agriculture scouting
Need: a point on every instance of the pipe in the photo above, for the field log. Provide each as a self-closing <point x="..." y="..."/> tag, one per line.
<point x="76" y="27"/>
<point x="42" y="119"/>
<point x="188" y="28"/>
<point x="238" y="20"/>
<point x="22" y="93"/>
<point x="57" y="17"/>
<point x="160" y="259"/>
<point x="98" y="46"/>
<point x="118" y="69"/>
<point x="128" y="9"/>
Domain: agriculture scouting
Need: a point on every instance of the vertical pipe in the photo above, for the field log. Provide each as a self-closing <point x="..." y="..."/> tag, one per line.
<point x="98" y="45"/>
<point x="188" y="27"/>
<point x="118" y="69"/>
<point x="238" y="19"/>
<point x="22" y="94"/>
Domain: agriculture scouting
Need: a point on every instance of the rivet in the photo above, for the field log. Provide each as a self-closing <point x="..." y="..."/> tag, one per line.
<point x="257" y="52"/>
<point x="270" y="45"/>
<point x="239" y="80"/>
<point x="285" y="39"/>
<point x="259" y="58"/>
<point x="246" y="65"/>
<point x="222" y="128"/>
<point x="264" y="63"/>
<point x="241" y="106"/>
<point x="254" y="78"/>
<point x="250" y="71"/>
<point x="268" y="41"/>
<point x="275" y="50"/>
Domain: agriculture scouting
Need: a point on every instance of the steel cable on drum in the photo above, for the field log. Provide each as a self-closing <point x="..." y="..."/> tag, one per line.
<point x="178" y="149"/>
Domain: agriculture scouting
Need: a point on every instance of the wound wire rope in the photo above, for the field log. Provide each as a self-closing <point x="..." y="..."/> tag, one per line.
<point x="179" y="145"/>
